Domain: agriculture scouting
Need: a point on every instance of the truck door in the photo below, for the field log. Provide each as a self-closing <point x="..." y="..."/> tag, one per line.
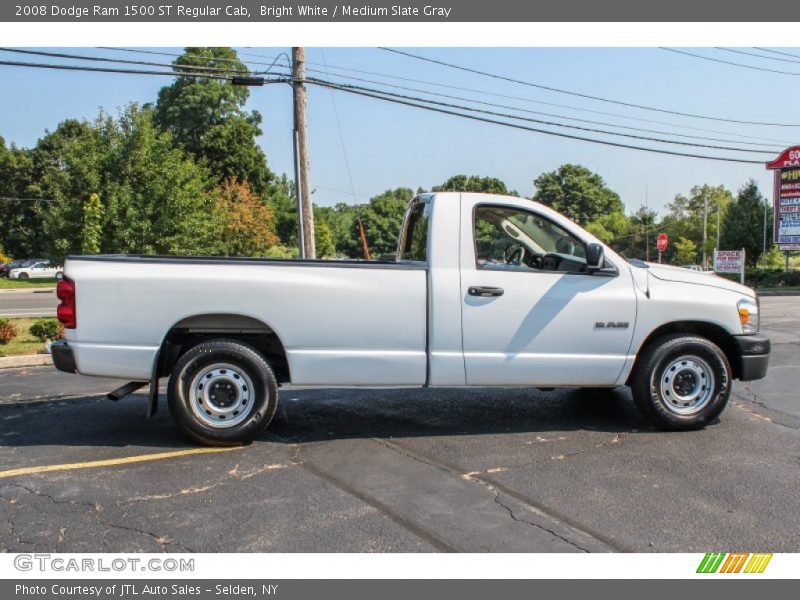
<point x="532" y="314"/>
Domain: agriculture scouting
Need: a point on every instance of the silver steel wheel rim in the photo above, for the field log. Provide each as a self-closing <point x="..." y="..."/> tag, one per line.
<point x="687" y="385"/>
<point x="221" y="395"/>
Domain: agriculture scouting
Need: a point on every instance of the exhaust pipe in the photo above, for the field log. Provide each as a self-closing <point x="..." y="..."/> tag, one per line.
<point x="125" y="390"/>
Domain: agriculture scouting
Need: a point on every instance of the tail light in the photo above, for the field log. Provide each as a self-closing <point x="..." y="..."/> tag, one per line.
<point x="65" y="290"/>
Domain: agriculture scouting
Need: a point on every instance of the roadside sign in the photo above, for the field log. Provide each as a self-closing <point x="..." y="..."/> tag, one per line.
<point x="729" y="261"/>
<point x="661" y="242"/>
<point x="786" y="198"/>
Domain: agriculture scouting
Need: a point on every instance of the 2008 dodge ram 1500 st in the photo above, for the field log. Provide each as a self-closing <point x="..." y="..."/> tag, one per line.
<point x="485" y="291"/>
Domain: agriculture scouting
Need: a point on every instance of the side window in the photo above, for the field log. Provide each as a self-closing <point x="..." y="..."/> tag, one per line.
<point x="515" y="239"/>
<point x="415" y="240"/>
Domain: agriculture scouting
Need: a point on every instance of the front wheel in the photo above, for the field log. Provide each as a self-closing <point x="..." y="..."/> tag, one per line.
<point x="681" y="382"/>
<point x="222" y="393"/>
<point x="22" y="276"/>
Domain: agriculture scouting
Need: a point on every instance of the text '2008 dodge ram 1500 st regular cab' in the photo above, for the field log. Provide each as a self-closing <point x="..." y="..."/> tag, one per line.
<point x="485" y="291"/>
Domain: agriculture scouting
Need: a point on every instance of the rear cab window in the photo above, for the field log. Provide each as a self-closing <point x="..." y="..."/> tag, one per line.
<point x="414" y="241"/>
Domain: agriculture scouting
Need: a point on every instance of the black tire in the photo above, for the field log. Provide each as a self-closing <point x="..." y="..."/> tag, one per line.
<point x="22" y="276"/>
<point x="255" y="392"/>
<point x="657" y="363"/>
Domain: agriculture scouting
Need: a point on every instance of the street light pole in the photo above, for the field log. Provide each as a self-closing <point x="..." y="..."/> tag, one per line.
<point x="764" y="240"/>
<point x="705" y="229"/>
<point x="647" y="228"/>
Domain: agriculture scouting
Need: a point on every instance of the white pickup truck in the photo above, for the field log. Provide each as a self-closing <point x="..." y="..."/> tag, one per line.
<point x="485" y="291"/>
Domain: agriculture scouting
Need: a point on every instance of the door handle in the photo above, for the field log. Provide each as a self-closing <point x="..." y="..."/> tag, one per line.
<point x="485" y="292"/>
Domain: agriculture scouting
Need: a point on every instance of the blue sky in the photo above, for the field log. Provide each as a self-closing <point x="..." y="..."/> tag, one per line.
<point x="390" y="146"/>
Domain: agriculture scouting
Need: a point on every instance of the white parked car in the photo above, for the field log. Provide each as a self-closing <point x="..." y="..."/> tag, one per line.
<point x="485" y="291"/>
<point x="39" y="270"/>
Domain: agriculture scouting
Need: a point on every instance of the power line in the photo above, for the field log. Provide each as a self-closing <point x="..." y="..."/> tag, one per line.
<point x="400" y="101"/>
<point x="206" y="58"/>
<point x="9" y="63"/>
<point x="581" y="95"/>
<point x="736" y="51"/>
<point x="122" y="61"/>
<point x="627" y="127"/>
<point x="341" y="139"/>
<point x="783" y="143"/>
<point x="735" y="64"/>
<point x="330" y="189"/>
<point x="776" y="52"/>
<point x="554" y="124"/>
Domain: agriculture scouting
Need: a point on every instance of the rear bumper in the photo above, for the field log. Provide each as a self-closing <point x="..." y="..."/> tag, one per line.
<point x="753" y="351"/>
<point x="63" y="357"/>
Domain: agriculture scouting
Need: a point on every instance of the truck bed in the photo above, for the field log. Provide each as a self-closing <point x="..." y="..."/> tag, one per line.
<point x="340" y="321"/>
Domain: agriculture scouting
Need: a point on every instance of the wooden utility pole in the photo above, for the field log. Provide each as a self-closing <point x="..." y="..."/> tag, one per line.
<point x="305" y="210"/>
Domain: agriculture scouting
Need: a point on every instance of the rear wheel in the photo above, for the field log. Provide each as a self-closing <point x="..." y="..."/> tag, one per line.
<point x="222" y="393"/>
<point x="681" y="382"/>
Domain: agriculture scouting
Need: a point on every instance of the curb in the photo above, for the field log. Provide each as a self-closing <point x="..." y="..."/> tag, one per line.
<point x="777" y="293"/>
<point x="25" y="360"/>
<point x="40" y="290"/>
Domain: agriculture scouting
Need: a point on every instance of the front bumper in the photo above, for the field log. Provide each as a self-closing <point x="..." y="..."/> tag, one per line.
<point x="63" y="357"/>
<point x="753" y="352"/>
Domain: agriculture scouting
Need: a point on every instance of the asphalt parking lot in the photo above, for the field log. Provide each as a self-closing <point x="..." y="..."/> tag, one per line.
<point x="406" y="470"/>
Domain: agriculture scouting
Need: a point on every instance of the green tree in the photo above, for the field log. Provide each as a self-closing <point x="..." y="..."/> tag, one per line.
<point x="92" y="225"/>
<point x="774" y="258"/>
<point x="577" y="192"/>
<point x="474" y="183"/>
<point x="154" y="198"/>
<point x="686" y="215"/>
<point x="637" y="240"/>
<point x="382" y="219"/>
<point x="281" y="199"/>
<point x="20" y="220"/>
<point x="743" y="226"/>
<point x="68" y="165"/>
<point x="323" y="236"/>
<point x="340" y="219"/>
<point x="206" y="118"/>
<point x="609" y="227"/>
<point x="685" y="251"/>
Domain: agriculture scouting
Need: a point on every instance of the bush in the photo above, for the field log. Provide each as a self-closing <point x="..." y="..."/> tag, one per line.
<point x="761" y="278"/>
<point x="8" y="331"/>
<point x="281" y="251"/>
<point x="47" y="328"/>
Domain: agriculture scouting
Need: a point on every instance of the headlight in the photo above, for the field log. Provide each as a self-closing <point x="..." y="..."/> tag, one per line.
<point x="748" y="315"/>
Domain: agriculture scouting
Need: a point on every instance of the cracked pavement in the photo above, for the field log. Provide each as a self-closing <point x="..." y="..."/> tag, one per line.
<point x="409" y="471"/>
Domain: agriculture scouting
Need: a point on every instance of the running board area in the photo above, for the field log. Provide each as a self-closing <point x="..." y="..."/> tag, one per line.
<point x="125" y="390"/>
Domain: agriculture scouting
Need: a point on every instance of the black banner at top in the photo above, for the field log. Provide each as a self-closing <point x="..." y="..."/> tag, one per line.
<point x="398" y="11"/>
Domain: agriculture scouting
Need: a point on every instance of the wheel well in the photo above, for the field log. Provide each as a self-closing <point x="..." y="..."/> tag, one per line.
<point x="713" y="333"/>
<point x="189" y="332"/>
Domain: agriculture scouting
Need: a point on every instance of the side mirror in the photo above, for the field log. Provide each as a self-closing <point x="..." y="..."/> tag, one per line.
<point x="595" y="258"/>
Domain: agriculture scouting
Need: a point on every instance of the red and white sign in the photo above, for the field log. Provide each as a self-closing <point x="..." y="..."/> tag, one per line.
<point x="786" y="199"/>
<point x="729" y="261"/>
<point x="788" y="158"/>
<point x="661" y="242"/>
